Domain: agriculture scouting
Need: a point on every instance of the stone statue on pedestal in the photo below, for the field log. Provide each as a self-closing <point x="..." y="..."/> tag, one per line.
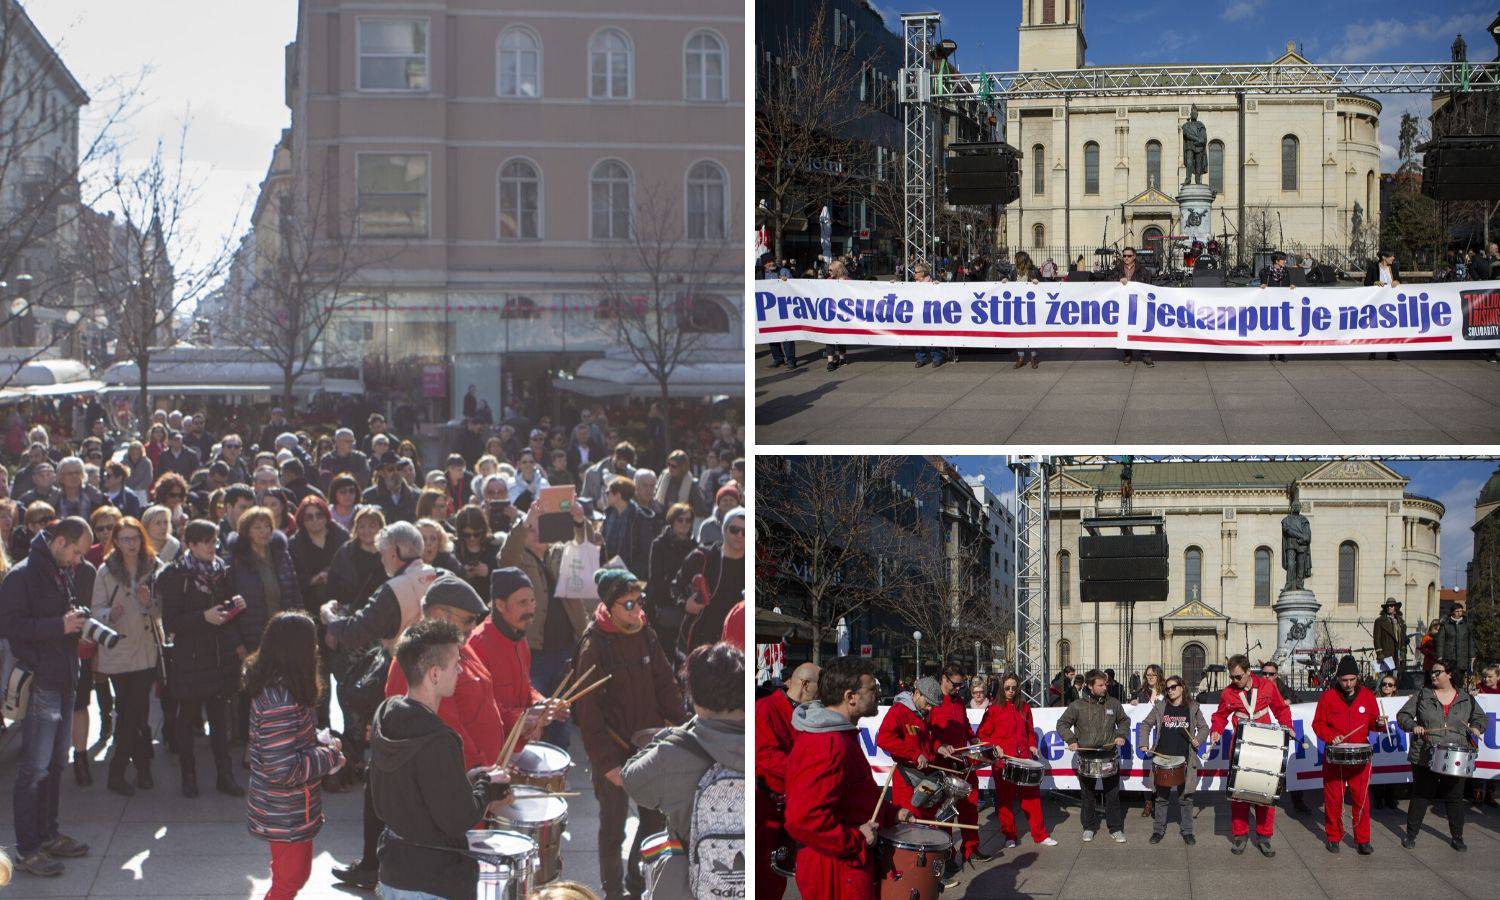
<point x="1194" y="147"/>
<point x="1296" y="548"/>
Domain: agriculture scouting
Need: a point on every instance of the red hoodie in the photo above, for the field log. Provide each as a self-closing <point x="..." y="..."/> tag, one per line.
<point x="1009" y="728"/>
<point x="509" y="663"/>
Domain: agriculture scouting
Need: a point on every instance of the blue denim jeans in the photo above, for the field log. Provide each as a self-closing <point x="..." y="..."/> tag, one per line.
<point x="784" y="352"/>
<point x="46" y="734"/>
<point x="386" y="892"/>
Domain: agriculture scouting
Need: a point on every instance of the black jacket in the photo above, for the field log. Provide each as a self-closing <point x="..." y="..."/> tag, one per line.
<point x="668" y="552"/>
<point x="354" y="575"/>
<point x="403" y="510"/>
<point x="246" y="582"/>
<point x="34" y="597"/>
<point x="725" y="578"/>
<point x="202" y="662"/>
<point x="126" y="502"/>
<point x="184" y="463"/>
<point x="310" y="559"/>
<point x="1372" y="272"/>
<point x="419" y="788"/>
<point x="628" y="534"/>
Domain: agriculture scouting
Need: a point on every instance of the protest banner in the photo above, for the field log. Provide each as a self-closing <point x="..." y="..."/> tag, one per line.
<point x="1005" y="315"/>
<point x="1304" y="767"/>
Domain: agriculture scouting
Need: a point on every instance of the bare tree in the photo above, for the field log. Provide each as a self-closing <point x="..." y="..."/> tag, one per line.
<point x="42" y="195"/>
<point x="942" y="593"/>
<point x="129" y="267"/>
<point x="657" y="287"/>
<point x="312" y="276"/>
<point x="831" y="532"/>
<point x="804" y="101"/>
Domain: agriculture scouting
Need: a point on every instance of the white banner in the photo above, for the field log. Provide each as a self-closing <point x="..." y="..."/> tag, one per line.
<point x="1304" y="769"/>
<point x="1449" y="316"/>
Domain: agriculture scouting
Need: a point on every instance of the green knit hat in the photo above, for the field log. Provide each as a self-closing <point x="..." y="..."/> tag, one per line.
<point x="615" y="583"/>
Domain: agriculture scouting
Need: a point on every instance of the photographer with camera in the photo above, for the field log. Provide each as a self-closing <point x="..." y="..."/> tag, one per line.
<point x="42" y="617"/>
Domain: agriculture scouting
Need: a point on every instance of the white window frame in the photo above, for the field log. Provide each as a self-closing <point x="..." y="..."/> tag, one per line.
<point x="629" y="200"/>
<point x="359" y="197"/>
<point x="359" y="54"/>
<point x="629" y="65"/>
<point x="723" y="68"/>
<point x="499" y="62"/>
<point x="687" y="193"/>
<point x="541" y="200"/>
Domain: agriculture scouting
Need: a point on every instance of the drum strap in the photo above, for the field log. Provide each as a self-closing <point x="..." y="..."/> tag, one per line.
<point x="478" y="856"/>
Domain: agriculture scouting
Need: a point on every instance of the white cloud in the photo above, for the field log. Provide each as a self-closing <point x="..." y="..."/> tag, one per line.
<point x="1457" y="540"/>
<point x="1241" y="10"/>
<point x="1365" y="41"/>
<point x="889" y="14"/>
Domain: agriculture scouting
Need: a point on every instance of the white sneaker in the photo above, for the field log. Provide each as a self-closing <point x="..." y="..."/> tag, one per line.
<point x="1119" y="836"/>
<point x="1088" y="836"/>
<point x="1049" y="842"/>
<point x="1009" y="844"/>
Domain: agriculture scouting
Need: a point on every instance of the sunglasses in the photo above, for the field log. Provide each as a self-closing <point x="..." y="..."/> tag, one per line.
<point x="314" y="514"/>
<point x="629" y="605"/>
<point x="1388" y="684"/>
<point x="471" y="535"/>
<point x="1172" y="685"/>
<point x="233" y="446"/>
<point x="735" y="530"/>
<point x="1440" y="671"/>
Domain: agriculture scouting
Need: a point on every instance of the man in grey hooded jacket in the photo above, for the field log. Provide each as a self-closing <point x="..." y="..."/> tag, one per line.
<point x="665" y="775"/>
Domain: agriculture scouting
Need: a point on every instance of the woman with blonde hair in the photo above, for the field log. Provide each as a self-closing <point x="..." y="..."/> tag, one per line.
<point x="437" y="547"/>
<point x="157" y="520"/>
<point x="124" y="598"/>
<point x="1025" y="270"/>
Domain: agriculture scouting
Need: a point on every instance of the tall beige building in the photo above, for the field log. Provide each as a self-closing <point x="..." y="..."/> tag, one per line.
<point x="1291" y="171"/>
<point x="1370" y="540"/>
<point x="497" y="154"/>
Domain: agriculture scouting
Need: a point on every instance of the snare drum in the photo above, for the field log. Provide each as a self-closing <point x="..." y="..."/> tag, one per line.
<point x="507" y="863"/>
<point x="1257" y="768"/>
<point x="909" y="862"/>
<point x="1024" y="772"/>
<point x="542" y="765"/>
<point x="543" y="819"/>
<point x="956" y="788"/>
<point x="1348" y="754"/>
<point x="1454" y="761"/>
<point x="1096" y="765"/>
<point x="929" y="791"/>
<point x="1168" y="771"/>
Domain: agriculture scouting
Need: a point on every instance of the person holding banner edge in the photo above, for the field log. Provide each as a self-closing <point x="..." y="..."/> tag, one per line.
<point x="1384" y="271"/>
<point x="1244" y="690"/>
<point x="1345" y="714"/>
<point x="1098" y="721"/>
<point x="1127" y="271"/>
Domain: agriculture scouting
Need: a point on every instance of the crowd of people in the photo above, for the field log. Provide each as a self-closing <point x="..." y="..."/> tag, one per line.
<point x="539" y="583"/>
<point x="827" y="821"/>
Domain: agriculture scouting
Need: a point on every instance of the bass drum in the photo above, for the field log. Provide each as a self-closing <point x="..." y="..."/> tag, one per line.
<point x="1257" y="768"/>
<point x="909" y="862"/>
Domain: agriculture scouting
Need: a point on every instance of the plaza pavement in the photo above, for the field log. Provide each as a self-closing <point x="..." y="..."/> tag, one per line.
<point x="1088" y="397"/>
<point x="1302" y="868"/>
<point x="161" y="845"/>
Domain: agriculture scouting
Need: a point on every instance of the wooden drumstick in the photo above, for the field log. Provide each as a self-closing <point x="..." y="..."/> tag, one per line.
<point x="583" y="693"/>
<point x="567" y="696"/>
<point x="883" y="791"/>
<point x="944" y="824"/>
<point x="560" y="685"/>
<point x="510" y="741"/>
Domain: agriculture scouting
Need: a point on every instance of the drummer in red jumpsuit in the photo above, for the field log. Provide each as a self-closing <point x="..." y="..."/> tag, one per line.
<point x="1007" y="726"/>
<point x="949" y="724"/>
<point x="1235" y="699"/>
<point x="905" y="735"/>
<point x="1346" y="713"/>
<point x="831" y="797"/>
<point x="501" y="645"/>
<point x="773" y="745"/>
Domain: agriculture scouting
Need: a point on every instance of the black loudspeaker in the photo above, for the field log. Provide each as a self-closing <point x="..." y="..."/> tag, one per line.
<point x="1411" y="680"/>
<point x="1080" y="275"/>
<point x="1122" y="568"/>
<point x="1461" y="168"/>
<point x="987" y="175"/>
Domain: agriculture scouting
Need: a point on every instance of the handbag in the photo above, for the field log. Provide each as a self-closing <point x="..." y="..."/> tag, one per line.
<point x="17" y="692"/>
<point x="367" y="689"/>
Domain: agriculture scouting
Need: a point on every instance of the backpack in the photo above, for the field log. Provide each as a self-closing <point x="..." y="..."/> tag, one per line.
<point x="716" y="836"/>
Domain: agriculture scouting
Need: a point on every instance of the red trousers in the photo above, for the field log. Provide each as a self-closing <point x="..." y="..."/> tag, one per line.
<point x="291" y="863"/>
<point x="968" y="814"/>
<point x="1239" y="819"/>
<point x="1357" y="779"/>
<point x="1006" y="794"/>
<point x="828" y="878"/>
<point x="768" y="884"/>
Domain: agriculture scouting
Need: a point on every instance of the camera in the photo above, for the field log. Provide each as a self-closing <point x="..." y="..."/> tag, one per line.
<point x="98" y="632"/>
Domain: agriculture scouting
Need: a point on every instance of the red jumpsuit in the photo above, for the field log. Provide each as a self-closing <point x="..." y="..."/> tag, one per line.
<point x="904" y="736"/>
<point x="1010" y="729"/>
<point x="773" y="746"/>
<point x="829" y="794"/>
<point x="1268" y="703"/>
<point x="948" y="723"/>
<point x="1337" y="716"/>
<point x="509" y="663"/>
<point x="471" y="711"/>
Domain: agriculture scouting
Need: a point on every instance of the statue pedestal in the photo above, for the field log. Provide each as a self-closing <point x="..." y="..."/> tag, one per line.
<point x="1195" y="208"/>
<point x="1296" y="614"/>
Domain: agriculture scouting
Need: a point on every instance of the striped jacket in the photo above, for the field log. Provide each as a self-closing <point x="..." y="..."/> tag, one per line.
<point x="285" y="799"/>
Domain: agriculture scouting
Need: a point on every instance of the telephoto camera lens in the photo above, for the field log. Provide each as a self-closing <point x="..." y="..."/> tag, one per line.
<point x="100" y="633"/>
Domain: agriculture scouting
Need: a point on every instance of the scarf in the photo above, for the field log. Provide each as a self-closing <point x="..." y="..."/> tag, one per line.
<point x="205" y="575"/>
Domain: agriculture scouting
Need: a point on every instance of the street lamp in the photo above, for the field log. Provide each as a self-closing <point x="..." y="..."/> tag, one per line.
<point x="917" y="636"/>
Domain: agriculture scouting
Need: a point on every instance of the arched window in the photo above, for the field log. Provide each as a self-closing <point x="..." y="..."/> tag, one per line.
<point x="1153" y="164"/>
<point x="1038" y="169"/>
<point x="1348" y="572"/>
<point x="702" y="315"/>
<point x="707" y="206"/>
<point x="1193" y="656"/>
<point x="1091" y="168"/>
<point x="1192" y="571"/>
<point x="1369" y="195"/>
<point x="1289" y="163"/>
<point x="703" y="67"/>
<point x="520" y="200"/>
<point x="518" y="68"/>
<point x="1431" y="598"/>
<point x="609" y="65"/>
<point x="1151" y="239"/>
<point x="1064" y="577"/>
<point x="1262" y="576"/>
<point x="1064" y="654"/>
<point x="520" y="308"/>
<point x="1038" y="235"/>
<point x="1216" y="165"/>
<point x="609" y="201"/>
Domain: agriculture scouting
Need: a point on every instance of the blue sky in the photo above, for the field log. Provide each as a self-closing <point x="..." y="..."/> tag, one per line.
<point x="1454" y="484"/>
<point x="1237" y="31"/>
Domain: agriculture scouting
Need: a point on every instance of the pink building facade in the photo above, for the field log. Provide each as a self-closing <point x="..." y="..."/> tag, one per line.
<point x="495" y="159"/>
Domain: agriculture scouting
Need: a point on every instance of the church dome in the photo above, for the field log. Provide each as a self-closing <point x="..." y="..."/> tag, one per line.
<point x="1491" y="491"/>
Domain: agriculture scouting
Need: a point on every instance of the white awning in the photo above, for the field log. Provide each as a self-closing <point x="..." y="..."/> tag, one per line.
<point x="43" y="372"/>
<point x="614" y="377"/>
<point x="157" y="387"/>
